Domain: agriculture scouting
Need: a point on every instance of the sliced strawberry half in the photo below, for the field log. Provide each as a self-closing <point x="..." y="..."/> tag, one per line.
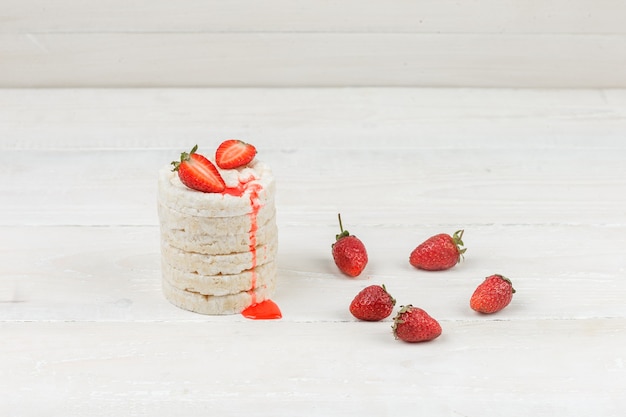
<point x="234" y="153"/>
<point x="198" y="173"/>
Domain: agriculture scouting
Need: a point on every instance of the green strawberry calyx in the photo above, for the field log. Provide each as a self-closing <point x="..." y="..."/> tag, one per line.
<point x="393" y="300"/>
<point x="397" y="320"/>
<point x="184" y="157"/>
<point x="457" y="238"/>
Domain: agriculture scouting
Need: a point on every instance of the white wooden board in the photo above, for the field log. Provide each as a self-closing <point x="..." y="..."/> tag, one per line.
<point x="536" y="179"/>
<point x="280" y="369"/>
<point x="363" y="118"/>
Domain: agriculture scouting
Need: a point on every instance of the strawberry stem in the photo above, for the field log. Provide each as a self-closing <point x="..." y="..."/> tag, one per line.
<point x="344" y="233"/>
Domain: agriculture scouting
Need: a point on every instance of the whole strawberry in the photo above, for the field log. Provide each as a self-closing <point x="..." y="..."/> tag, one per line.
<point x="413" y="324"/>
<point x="438" y="252"/>
<point x="349" y="253"/>
<point x="492" y="295"/>
<point x="372" y="303"/>
<point x="198" y="173"/>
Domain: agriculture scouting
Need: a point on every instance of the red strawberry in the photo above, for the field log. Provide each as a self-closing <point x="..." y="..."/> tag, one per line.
<point x="492" y="295"/>
<point x="349" y="253"/>
<point x="413" y="324"/>
<point x="438" y="252"/>
<point x="373" y="303"/>
<point x="198" y="173"/>
<point x="234" y="153"/>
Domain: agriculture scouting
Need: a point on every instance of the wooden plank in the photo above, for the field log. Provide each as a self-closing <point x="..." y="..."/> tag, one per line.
<point x="577" y="186"/>
<point x="311" y="59"/>
<point x="63" y="273"/>
<point x="485" y="367"/>
<point x="444" y="16"/>
<point x="536" y="178"/>
<point x="299" y="119"/>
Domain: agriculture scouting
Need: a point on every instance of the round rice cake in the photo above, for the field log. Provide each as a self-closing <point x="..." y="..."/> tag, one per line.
<point x="227" y="264"/>
<point x="215" y="305"/>
<point x="216" y="226"/>
<point x="259" y="191"/>
<point x="209" y="244"/>
<point x="219" y="285"/>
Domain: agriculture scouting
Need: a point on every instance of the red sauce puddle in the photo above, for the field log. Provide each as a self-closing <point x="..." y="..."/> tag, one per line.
<point x="265" y="310"/>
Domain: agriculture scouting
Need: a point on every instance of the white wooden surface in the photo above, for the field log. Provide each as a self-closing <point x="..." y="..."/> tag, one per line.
<point x="159" y="43"/>
<point x="536" y="178"/>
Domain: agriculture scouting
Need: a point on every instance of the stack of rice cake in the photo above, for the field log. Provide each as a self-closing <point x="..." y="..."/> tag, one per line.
<point x="218" y="250"/>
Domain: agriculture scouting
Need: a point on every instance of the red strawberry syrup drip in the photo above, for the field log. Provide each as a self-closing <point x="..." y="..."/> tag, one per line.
<point x="262" y="311"/>
<point x="266" y="309"/>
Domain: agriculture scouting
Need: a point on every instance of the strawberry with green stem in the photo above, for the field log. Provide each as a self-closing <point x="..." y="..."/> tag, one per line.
<point x="198" y="173"/>
<point x="438" y="252"/>
<point x="349" y="252"/>
<point x="413" y="324"/>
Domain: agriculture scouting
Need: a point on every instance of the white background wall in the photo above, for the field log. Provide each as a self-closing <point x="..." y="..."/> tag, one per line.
<point x="449" y="43"/>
